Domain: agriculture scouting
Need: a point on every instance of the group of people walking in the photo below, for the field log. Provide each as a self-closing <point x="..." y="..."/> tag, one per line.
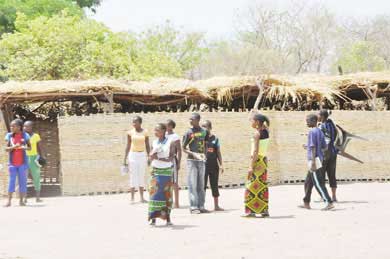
<point x="204" y="164"/>
<point x="25" y="155"/>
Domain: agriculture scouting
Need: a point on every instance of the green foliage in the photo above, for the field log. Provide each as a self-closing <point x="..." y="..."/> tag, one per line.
<point x="32" y="9"/>
<point x="361" y="56"/>
<point x="185" y="50"/>
<point x="70" y="47"/>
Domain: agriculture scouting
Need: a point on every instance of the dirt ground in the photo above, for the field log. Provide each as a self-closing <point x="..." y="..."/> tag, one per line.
<point x="111" y="227"/>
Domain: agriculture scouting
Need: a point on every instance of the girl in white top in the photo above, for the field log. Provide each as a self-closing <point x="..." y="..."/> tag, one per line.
<point x="174" y="139"/>
<point x="160" y="190"/>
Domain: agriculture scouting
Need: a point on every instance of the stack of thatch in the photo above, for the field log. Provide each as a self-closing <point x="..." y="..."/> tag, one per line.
<point x="218" y="91"/>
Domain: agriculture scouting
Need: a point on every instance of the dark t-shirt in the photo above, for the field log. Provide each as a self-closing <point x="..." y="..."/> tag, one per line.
<point x="195" y="139"/>
<point x="212" y="146"/>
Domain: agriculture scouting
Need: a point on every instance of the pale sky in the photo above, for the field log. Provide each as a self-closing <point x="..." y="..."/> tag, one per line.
<point x="214" y="17"/>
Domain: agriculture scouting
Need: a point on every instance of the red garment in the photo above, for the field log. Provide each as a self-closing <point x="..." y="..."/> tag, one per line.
<point x="17" y="154"/>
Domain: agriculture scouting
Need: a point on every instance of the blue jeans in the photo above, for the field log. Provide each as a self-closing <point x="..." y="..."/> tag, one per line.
<point x="19" y="172"/>
<point x="196" y="174"/>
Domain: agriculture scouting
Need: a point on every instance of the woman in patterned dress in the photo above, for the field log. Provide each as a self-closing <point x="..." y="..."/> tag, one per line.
<point x="256" y="193"/>
<point x="160" y="190"/>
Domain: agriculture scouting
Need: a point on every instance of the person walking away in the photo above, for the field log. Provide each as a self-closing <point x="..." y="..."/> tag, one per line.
<point x="174" y="139"/>
<point x="315" y="144"/>
<point x="256" y="193"/>
<point x="213" y="163"/>
<point x="136" y="154"/>
<point x="17" y="144"/>
<point x="328" y="127"/>
<point x="160" y="188"/>
<point x="194" y="145"/>
<point x="33" y="155"/>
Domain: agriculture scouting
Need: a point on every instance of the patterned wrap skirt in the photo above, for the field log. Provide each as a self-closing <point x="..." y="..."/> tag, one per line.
<point x="160" y="192"/>
<point x="256" y="193"/>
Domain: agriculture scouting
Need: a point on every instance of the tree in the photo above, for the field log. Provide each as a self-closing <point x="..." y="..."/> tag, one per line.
<point x="92" y="4"/>
<point x="73" y="47"/>
<point x="361" y="56"/>
<point x="32" y="9"/>
<point x="185" y="49"/>
<point x="300" y="35"/>
<point x="36" y="8"/>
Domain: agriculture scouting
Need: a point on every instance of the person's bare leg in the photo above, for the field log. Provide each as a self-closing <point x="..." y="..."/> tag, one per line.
<point x="334" y="197"/>
<point x="132" y="190"/>
<point x="216" y="205"/>
<point x="141" y="194"/>
<point x="8" y="204"/>
<point x="176" y="193"/>
<point x="169" y="223"/>
<point x="21" y="199"/>
<point x="38" y="196"/>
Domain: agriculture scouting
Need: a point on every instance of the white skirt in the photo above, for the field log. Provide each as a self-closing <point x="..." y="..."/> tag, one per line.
<point x="138" y="164"/>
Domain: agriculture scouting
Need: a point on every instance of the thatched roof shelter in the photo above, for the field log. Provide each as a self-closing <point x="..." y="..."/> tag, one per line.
<point x="218" y="91"/>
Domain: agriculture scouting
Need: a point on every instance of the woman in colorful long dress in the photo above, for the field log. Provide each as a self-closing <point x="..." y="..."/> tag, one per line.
<point x="160" y="189"/>
<point x="256" y="193"/>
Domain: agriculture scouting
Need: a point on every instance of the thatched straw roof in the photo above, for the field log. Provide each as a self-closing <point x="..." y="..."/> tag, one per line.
<point x="220" y="90"/>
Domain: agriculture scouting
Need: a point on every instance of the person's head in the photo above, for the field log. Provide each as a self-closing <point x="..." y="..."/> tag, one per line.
<point x="324" y="115"/>
<point x="28" y="127"/>
<point x="160" y="130"/>
<point x="16" y="126"/>
<point x="137" y="122"/>
<point x="195" y="119"/>
<point x="311" y="120"/>
<point x="171" y="125"/>
<point x="259" y="121"/>
<point x="207" y="125"/>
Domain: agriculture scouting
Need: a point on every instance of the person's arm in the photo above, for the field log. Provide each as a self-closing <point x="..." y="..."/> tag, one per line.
<point x="168" y="159"/>
<point x="312" y="148"/>
<point x="178" y="153"/>
<point x="206" y="139"/>
<point x="9" y="147"/>
<point x="40" y="150"/>
<point x="147" y="145"/>
<point x="256" y="139"/>
<point x="28" y="147"/>
<point x="127" y="150"/>
<point x="186" y="140"/>
<point x="219" y="158"/>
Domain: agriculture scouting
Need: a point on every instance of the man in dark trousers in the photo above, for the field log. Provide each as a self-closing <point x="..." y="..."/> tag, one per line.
<point x="315" y="157"/>
<point x="330" y="155"/>
<point x="194" y="145"/>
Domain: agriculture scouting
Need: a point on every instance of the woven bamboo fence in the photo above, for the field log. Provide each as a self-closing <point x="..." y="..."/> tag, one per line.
<point x="92" y="148"/>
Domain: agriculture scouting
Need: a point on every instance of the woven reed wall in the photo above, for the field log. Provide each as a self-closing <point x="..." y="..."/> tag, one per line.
<point x="50" y="143"/>
<point x="92" y="147"/>
<point x="3" y="158"/>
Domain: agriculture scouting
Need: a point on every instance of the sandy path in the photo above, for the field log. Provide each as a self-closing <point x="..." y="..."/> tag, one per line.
<point x="109" y="227"/>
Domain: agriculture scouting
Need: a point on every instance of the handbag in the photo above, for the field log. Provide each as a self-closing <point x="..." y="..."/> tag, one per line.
<point x="124" y="170"/>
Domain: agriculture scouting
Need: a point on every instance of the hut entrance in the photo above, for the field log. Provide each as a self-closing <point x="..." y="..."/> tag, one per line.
<point x="50" y="174"/>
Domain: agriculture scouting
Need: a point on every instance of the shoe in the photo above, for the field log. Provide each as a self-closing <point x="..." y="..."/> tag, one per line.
<point x="250" y="215"/>
<point x="195" y="211"/>
<point x="169" y="224"/>
<point x="204" y="211"/>
<point x="330" y="206"/>
<point x="265" y="215"/>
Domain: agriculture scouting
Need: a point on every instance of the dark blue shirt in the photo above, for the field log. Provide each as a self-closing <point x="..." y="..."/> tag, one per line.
<point x="329" y="129"/>
<point x="316" y="140"/>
